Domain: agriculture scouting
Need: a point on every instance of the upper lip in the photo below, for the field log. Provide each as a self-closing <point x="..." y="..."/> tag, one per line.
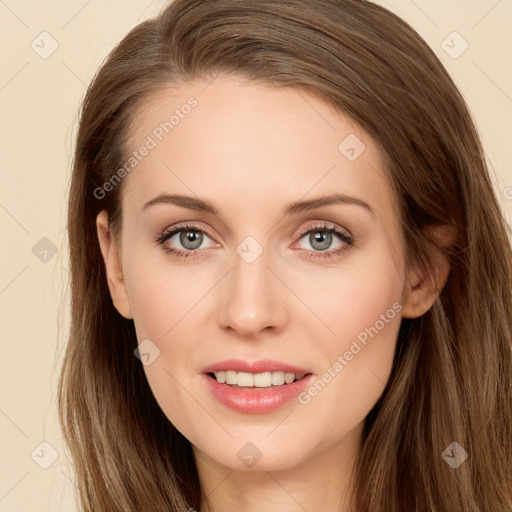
<point x="260" y="366"/>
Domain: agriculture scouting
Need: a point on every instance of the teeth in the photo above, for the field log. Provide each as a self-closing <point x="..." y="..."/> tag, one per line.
<point x="289" y="377"/>
<point x="245" y="379"/>
<point x="258" y="380"/>
<point x="277" y="378"/>
<point x="261" y="380"/>
<point x="231" y="377"/>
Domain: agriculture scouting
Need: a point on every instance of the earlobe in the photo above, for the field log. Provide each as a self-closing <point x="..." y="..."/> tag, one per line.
<point x="422" y="288"/>
<point x="113" y="268"/>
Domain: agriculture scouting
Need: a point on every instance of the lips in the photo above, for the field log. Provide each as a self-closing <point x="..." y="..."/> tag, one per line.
<point x="255" y="400"/>
<point x="260" y="366"/>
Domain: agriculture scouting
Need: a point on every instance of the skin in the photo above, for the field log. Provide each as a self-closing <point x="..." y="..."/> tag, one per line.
<point x="251" y="149"/>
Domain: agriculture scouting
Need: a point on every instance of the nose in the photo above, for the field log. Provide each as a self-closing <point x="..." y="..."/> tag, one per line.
<point x="252" y="299"/>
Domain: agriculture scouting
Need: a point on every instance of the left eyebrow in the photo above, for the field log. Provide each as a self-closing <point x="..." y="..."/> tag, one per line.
<point x="195" y="203"/>
<point x="302" y="206"/>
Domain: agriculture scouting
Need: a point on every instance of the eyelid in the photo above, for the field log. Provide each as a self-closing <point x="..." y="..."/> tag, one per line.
<point x="322" y="224"/>
<point x="184" y="226"/>
<point x="342" y="233"/>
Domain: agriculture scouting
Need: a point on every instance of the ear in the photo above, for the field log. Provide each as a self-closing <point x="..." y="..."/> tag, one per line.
<point x="111" y="257"/>
<point x="421" y="288"/>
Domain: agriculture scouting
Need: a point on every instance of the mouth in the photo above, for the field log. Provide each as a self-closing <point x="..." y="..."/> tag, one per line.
<point x="255" y="387"/>
<point x="247" y="380"/>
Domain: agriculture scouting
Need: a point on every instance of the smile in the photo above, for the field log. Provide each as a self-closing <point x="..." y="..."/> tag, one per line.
<point x="255" y="387"/>
<point x="255" y="380"/>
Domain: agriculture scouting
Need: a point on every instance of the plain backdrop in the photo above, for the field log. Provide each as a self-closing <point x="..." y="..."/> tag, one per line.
<point x="50" y="51"/>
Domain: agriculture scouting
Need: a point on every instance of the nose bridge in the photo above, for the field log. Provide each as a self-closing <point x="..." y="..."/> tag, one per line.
<point x="251" y="297"/>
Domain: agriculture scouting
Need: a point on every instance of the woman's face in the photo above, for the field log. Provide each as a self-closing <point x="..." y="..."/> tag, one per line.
<point x="273" y="278"/>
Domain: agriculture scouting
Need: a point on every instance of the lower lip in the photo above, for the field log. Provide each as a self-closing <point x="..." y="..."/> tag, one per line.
<point x="256" y="400"/>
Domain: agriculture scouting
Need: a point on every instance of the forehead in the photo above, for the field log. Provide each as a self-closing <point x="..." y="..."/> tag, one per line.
<point x="243" y="141"/>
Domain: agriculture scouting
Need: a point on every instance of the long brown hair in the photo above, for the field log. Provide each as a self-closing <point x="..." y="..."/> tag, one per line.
<point x="452" y="374"/>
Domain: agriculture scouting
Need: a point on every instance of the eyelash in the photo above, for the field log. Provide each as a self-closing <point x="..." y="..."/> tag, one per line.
<point x="349" y="240"/>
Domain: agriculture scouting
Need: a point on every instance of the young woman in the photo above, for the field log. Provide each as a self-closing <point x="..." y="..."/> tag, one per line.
<point x="291" y="279"/>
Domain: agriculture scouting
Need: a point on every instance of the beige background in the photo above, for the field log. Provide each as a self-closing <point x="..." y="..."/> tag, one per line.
<point x="39" y="99"/>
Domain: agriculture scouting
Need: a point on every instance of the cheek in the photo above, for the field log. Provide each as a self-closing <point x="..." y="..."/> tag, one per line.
<point x="367" y="307"/>
<point x="166" y="303"/>
<point x="351" y="301"/>
<point x="162" y="295"/>
<point x="364" y="318"/>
